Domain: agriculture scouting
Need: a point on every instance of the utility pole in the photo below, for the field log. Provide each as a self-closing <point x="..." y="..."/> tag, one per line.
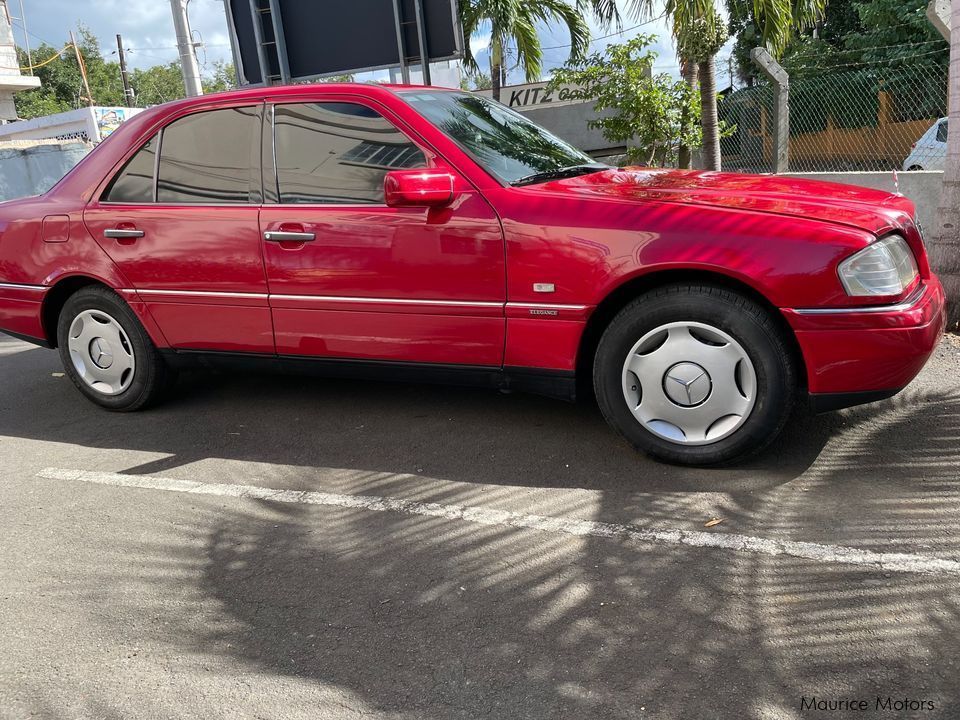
<point x="83" y="68"/>
<point x="127" y="90"/>
<point x="26" y="37"/>
<point x="188" y="58"/>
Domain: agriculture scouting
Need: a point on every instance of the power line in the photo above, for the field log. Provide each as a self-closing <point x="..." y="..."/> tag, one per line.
<point x="604" y="37"/>
<point x="903" y="58"/>
<point x="174" y="47"/>
<point x="33" y="34"/>
<point x="849" y="51"/>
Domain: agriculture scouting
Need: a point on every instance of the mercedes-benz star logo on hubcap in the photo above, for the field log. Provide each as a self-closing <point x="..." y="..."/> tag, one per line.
<point x="687" y="384"/>
<point x="100" y="353"/>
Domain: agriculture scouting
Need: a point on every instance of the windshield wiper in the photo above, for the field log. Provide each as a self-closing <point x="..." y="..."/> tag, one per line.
<point x="564" y="172"/>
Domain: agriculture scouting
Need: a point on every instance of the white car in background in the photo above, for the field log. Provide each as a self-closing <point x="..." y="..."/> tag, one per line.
<point x="930" y="151"/>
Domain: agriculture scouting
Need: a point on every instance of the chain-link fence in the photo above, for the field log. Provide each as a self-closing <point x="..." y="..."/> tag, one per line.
<point x="863" y="116"/>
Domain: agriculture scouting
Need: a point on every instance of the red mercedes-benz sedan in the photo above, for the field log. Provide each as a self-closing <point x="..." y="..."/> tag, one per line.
<point x="418" y="233"/>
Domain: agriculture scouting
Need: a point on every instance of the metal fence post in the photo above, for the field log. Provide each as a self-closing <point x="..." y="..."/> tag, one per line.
<point x="781" y="106"/>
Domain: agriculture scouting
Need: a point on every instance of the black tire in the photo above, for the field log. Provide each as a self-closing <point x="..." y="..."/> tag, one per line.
<point x="738" y="316"/>
<point x="151" y="375"/>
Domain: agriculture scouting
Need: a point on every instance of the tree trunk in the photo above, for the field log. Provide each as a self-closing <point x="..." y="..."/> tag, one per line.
<point x="708" y="114"/>
<point x="944" y="243"/>
<point x="688" y="69"/>
<point x="496" y="66"/>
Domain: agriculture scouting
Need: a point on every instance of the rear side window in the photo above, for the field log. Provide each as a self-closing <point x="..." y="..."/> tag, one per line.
<point x="942" y="132"/>
<point x="134" y="184"/>
<point x="332" y="153"/>
<point x="208" y="158"/>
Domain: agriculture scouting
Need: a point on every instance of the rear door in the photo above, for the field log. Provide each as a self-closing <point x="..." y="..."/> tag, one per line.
<point x="180" y="220"/>
<point x="358" y="279"/>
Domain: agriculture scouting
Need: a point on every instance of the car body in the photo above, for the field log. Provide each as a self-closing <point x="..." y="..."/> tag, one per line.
<point x="365" y="229"/>
<point x="930" y="151"/>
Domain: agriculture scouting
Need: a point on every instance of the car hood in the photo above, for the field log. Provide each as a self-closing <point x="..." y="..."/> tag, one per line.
<point x="872" y="210"/>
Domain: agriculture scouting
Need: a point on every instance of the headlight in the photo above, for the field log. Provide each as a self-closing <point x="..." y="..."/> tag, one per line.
<point x="887" y="267"/>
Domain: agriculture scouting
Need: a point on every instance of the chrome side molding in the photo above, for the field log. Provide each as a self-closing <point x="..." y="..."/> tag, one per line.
<point x="915" y="297"/>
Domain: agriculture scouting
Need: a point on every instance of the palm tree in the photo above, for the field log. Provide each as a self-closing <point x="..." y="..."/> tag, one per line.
<point x="688" y="70"/>
<point x="699" y="39"/>
<point x="700" y="33"/>
<point x="515" y="21"/>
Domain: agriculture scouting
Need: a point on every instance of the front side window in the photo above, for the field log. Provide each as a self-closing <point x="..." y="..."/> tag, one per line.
<point x="207" y="157"/>
<point x="337" y="153"/>
<point x="505" y="143"/>
<point x="942" y="132"/>
<point x="134" y="183"/>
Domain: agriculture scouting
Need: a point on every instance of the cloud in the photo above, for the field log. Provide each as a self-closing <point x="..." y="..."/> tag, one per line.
<point x="146" y="27"/>
<point x="148" y="35"/>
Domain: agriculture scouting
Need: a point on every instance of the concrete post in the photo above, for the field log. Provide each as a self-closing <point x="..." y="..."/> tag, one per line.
<point x="938" y="13"/>
<point x="781" y="106"/>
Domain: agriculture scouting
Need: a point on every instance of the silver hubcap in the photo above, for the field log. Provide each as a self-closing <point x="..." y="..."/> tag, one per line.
<point x="689" y="383"/>
<point x="101" y="352"/>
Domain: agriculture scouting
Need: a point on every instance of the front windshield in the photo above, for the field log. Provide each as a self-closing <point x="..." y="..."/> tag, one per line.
<point x="504" y="142"/>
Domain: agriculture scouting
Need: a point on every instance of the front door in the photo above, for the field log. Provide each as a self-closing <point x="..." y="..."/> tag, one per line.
<point x="350" y="277"/>
<point x="183" y="231"/>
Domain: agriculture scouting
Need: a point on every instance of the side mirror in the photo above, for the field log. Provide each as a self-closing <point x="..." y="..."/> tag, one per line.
<point x="418" y="188"/>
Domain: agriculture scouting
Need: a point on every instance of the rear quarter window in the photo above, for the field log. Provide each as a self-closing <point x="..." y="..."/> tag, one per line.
<point x="134" y="183"/>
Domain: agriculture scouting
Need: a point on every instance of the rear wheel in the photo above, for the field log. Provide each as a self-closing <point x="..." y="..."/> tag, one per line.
<point x="695" y="375"/>
<point x="107" y="353"/>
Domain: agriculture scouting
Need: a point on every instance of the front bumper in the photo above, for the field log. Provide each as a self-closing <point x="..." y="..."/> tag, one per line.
<point x="857" y="355"/>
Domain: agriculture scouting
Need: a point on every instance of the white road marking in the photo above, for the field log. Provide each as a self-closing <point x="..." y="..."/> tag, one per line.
<point x="891" y="562"/>
<point x="7" y="349"/>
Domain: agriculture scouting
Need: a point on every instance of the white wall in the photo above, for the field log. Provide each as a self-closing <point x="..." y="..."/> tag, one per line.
<point x="89" y="124"/>
<point x="34" y="169"/>
<point x="923" y="187"/>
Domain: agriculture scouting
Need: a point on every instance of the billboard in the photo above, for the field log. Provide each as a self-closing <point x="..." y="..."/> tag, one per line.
<point x="281" y="41"/>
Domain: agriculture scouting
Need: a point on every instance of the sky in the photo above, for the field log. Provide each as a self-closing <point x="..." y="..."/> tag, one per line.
<point x="149" y="39"/>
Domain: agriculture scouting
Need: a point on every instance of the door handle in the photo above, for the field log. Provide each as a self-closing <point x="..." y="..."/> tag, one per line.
<point x="288" y="236"/>
<point x="120" y="233"/>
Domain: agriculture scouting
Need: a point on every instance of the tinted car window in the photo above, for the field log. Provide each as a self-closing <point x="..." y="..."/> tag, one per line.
<point x="134" y="184"/>
<point x="504" y="142"/>
<point x="337" y="153"/>
<point x="206" y="157"/>
<point x="942" y="132"/>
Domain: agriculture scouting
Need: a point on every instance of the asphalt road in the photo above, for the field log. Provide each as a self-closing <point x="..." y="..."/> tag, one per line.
<point x="282" y="547"/>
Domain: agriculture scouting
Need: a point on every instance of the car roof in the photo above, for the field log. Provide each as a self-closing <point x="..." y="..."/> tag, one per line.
<point x="132" y="131"/>
<point x="256" y="93"/>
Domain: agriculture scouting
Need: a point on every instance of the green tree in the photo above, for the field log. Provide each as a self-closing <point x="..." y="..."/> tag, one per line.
<point x="696" y="27"/>
<point x="747" y="33"/>
<point x="61" y="80"/>
<point x="646" y="112"/>
<point x="698" y="41"/>
<point x="515" y="22"/>
<point x="223" y="78"/>
<point x="62" y="86"/>
<point x="851" y="33"/>
<point x="476" y="81"/>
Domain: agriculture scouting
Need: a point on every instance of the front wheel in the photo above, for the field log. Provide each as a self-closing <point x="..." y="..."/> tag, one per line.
<point x="695" y="375"/>
<point x="107" y="353"/>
